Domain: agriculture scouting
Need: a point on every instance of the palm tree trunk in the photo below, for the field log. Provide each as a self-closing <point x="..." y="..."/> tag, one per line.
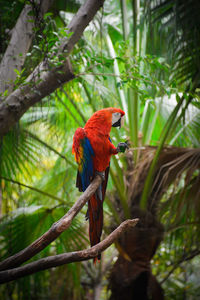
<point x="131" y="277"/>
<point x="97" y="291"/>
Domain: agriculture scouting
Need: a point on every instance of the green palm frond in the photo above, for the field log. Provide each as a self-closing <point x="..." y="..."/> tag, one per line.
<point x="182" y="17"/>
<point x="23" y="226"/>
<point x="173" y="163"/>
<point x="187" y="131"/>
<point x="15" y="149"/>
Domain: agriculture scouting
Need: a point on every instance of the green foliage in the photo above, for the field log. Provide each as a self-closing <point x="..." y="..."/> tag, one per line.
<point x="23" y="226"/>
<point x="181" y="18"/>
<point x="160" y="108"/>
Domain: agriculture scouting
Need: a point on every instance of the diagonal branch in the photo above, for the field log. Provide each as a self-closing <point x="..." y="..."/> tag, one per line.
<point x="55" y="230"/>
<point x="39" y="84"/>
<point x="43" y="81"/>
<point x="79" y="22"/>
<point x="66" y="258"/>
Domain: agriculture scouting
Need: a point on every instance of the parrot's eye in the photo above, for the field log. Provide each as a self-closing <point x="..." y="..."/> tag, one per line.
<point x="116" y="119"/>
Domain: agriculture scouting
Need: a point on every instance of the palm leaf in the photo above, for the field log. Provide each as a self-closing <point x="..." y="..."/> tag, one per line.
<point x="186" y="35"/>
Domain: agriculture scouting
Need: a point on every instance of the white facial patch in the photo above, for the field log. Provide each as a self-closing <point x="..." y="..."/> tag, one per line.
<point x="115" y="117"/>
<point x="122" y="121"/>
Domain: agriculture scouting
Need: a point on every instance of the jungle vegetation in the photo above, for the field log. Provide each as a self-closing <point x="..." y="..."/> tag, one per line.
<point x="60" y="62"/>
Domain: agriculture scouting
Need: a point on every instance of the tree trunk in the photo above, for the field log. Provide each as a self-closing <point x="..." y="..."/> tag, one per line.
<point x="97" y="291"/>
<point x="44" y="80"/>
<point x="21" y="39"/>
<point x="131" y="277"/>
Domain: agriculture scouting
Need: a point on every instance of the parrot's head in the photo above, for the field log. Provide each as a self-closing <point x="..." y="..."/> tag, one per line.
<point x="106" y="118"/>
<point x="117" y="117"/>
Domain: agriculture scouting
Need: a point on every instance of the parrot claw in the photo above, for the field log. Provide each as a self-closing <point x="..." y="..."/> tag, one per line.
<point x="101" y="174"/>
<point x="121" y="147"/>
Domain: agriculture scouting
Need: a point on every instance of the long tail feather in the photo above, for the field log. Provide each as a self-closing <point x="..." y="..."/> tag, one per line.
<point x="95" y="209"/>
<point x="95" y="214"/>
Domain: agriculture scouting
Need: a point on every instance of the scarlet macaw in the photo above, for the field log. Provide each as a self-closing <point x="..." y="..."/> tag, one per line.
<point x="93" y="149"/>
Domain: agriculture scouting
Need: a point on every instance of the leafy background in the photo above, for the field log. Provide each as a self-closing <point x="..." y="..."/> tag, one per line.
<point x="148" y="66"/>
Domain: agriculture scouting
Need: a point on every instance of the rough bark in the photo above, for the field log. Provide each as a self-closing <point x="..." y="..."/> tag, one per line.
<point x="17" y="103"/>
<point x="80" y="21"/>
<point x="61" y="259"/>
<point x="39" y="84"/>
<point x="21" y="39"/>
<point x="55" y="230"/>
<point x="131" y="276"/>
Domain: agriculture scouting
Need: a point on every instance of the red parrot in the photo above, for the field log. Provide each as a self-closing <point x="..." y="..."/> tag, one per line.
<point x="93" y="149"/>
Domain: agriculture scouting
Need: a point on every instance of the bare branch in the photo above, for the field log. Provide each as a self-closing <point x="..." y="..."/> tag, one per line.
<point x="55" y="230"/>
<point x="80" y="21"/>
<point x="66" y="258"/>
<point x="21" y="39"/>
<point x="43" y="81"/>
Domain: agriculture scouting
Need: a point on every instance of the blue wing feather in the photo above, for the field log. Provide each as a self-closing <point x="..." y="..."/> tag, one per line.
<point x="87" y="171"/>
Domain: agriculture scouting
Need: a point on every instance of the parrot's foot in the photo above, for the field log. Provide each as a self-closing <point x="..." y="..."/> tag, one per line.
<point x="101" y="174"/>
<point x="121" y="147"/>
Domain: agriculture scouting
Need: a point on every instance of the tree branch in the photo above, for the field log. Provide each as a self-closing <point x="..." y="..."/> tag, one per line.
<point x="55" y="230"/>
<point x="15" y="54"/>
<point x="43" y="81"/>
<point x="39" y="84"/>
<point x="66" y="258"/>
<point x="79" y="22"/>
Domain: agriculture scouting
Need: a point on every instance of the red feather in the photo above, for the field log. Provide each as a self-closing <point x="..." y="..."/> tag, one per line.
<point x="97" y="131"/>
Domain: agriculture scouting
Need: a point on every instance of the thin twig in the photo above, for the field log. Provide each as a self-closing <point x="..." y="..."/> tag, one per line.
<point x="122" y="77"/>
<point x="33" y="189"/>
